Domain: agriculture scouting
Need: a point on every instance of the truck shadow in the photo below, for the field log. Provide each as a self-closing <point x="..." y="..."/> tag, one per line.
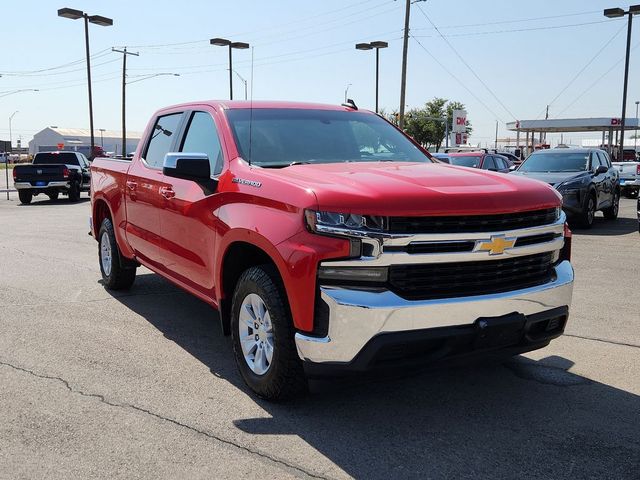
<point x="522" y="418"/>
<point x="43" y="201"/>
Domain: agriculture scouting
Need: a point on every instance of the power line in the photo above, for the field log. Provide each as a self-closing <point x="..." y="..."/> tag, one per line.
<point x="467" y="65"/>
<point x="457" y="79"/>
<point x="595" y="82"/>
<point x="75" y="62"/>
<point x="575" y="77"/>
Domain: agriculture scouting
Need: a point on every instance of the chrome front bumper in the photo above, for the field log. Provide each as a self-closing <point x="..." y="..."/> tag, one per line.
<point x="27" y="185"/>
<point x="357" y="316"/>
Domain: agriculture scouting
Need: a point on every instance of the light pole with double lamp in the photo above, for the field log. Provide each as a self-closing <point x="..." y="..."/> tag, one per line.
<point x="223" y="42"/>
<point x="98" y="20"/>
<point x="370" y="46"/>
<point x="617" y="13"/>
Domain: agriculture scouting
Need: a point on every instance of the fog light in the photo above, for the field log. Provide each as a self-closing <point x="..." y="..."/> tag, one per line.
<point x="353" y="274"/>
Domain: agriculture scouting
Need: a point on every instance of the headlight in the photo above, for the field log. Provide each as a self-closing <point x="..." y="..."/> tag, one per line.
<point x="571" y="185"/>
<point x="343" y="223"/>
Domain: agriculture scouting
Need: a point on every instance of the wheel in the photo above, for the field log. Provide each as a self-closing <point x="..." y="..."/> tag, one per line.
<point x="53" y="195"/>
<point x="74" y="191"/>
<point x="115" y="276"/>
<point x="262" y="334"/>
<point x="631" y="193"/>
<point x="611" y="213"/>
<point x="588" y="212"/>
<point x="25" y="196"/>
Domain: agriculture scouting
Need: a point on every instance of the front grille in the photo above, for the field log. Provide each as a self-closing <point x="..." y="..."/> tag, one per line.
<point x="465" y="279"/>
<point x="433" y="247"/>
<point x="472" y="223"/>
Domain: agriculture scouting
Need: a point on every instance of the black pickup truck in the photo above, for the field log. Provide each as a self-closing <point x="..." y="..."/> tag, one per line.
<point x="53" y="173"/>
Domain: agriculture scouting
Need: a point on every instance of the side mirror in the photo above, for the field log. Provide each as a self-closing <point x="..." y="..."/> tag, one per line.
<point x="189" y="166"/>
<point x="601" y="169"/>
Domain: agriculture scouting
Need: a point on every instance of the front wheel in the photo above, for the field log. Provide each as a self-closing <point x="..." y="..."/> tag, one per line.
<point x="115" y="276"/>
<point x="25" y="196"/>
<point x="263" y="336"/>
<point x="611" y="213"/>
<point x="588" y="212"/>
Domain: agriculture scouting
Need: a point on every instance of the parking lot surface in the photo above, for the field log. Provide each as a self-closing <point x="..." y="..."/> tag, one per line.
<point x="143" y="384"/>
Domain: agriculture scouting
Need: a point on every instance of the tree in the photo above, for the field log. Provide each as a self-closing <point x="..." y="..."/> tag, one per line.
<point x="425" y="126"/>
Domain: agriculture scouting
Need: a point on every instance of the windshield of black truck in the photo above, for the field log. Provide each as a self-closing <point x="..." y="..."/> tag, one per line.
<point x="556" y="162"/>
<point x="56" y="158"/>
<point x="286" y="136"/>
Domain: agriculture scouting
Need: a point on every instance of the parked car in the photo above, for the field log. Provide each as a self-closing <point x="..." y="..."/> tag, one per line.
<point x="53" y="173"/>
<point x="511" y="157"/>
<point x="585" y="178"/>
<point x="331" y="242"/>
<point x="484" y="161"/>
<point x="629" y="172"/>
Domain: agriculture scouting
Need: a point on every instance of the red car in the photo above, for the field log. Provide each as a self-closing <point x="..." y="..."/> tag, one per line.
<point x="330" y="242"/>
<point x="484" y="161"/>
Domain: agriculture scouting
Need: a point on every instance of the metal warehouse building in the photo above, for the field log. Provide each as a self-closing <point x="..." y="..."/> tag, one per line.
<point x="80" y="140"/>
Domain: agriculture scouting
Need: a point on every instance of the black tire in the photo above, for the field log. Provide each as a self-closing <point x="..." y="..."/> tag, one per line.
<point x="284" y="377"/>
<point x="611" y="213"/>
<point x="586" y="217"/>
<point x="53" y="195"/>
<point x="25" y="196"/>
<point x="631" y="193"/>
<point x="74" y="191"/>
<point x="115" y="276"/>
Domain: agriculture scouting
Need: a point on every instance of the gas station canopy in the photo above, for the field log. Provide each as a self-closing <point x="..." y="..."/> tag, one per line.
<point x="558" y="125"/>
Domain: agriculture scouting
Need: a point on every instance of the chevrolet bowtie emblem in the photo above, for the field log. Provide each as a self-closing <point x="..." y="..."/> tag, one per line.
<point x="496" y="245"/>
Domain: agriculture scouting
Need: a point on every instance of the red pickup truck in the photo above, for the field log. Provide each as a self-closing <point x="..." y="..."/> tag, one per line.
<point x="330" y="242"/>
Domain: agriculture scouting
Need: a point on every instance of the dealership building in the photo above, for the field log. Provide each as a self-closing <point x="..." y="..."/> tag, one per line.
<point x="77" y="139"/>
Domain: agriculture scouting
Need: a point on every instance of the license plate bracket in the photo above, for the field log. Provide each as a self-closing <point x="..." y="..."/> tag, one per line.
<point x="493" y="332"/>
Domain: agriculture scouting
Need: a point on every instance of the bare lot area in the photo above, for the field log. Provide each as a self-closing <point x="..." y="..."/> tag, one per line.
<point x="142" y="384"/>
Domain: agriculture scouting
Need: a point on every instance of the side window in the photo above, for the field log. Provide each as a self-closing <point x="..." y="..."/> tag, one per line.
<point x="202" y="137"/>
<point x="604" y="159"/>
<point x="500" y="163"/>
<point x="162" y="137"/>
<point x="488" y="163"/>
<point x="595" y="160"/>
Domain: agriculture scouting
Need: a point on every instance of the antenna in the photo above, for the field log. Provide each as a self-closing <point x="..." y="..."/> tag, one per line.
<point x="251" y="107"/>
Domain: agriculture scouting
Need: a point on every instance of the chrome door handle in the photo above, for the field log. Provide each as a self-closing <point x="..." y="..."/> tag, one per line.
<point x="131" y="185"/>
<point x="167" y="192"/>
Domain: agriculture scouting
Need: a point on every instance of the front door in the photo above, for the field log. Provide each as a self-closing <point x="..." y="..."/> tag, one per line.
<point x="144" y="185"/>
<point x="188" y="222"/>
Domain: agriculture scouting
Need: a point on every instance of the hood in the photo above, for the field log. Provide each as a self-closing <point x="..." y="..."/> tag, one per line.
<point x="403" y="188"/>
<point x="552" y="178"/>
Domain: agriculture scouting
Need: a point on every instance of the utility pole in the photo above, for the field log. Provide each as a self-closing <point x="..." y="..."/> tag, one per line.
<point x="405" y="48"/>
<point x="496" y="144"/>
<point x="6" y="165"/>
<point x="124" y="53"/>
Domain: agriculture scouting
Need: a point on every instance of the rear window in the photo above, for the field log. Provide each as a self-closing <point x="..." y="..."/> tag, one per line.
<point x="62" y="158"/>
<point x="465" y="161"/>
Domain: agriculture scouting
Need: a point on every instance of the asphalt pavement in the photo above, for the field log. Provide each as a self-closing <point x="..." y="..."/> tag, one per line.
<point x="142" y="384"/>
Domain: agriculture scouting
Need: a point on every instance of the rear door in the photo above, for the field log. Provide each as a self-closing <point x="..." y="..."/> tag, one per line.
<point x="143" y="187"/>
<point x="189" y="228"/>
<point x="488" y="163"/>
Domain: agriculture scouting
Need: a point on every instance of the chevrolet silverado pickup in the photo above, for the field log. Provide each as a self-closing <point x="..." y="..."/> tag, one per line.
<point x="52" y="173"/>
<point x="330" y="242"/>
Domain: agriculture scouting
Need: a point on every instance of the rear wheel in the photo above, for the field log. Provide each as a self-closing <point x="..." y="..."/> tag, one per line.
<point x="53" y="195"/>
<point x="611" y="213"/>
<point x="263" y="336"/>
<point x="588" y="212"/>
<point x="116" y="275"/>
<point x="631" y="193"/>
<point x="74" y="191"/>
<point x="25" y="196"/>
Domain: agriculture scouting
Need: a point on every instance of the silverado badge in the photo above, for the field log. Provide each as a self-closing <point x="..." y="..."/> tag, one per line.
<point x="496" y="246"/>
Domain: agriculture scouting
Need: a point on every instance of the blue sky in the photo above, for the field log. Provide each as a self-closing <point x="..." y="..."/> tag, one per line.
<point x="526" y="53"/>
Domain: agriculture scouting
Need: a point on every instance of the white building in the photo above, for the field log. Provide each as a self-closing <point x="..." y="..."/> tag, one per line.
<point x="78" y="139"/>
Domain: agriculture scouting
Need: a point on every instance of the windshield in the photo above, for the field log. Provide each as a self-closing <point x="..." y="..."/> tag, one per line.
<point x="466" y="161"/>
<point x="56" y="158"/>
<point x="556" y="162"/>
<point x="284" y="136"/>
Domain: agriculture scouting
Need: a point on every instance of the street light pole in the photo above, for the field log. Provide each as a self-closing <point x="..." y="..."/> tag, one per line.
<point x="377" y="45"/>
<point x="98" y="20"/>
<point x="101" y="139"/>
<point x="6" y="165"/>
<point x="635" y="139"/>
<point x="223" y="42"/>
<point x="617" y="13"/>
